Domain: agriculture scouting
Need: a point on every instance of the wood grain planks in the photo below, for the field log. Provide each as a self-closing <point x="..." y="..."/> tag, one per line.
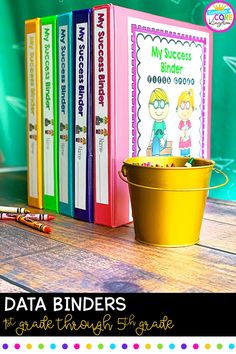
<point x="83" y="257"/>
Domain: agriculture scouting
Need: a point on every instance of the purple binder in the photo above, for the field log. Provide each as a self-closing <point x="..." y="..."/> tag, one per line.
<point x="83" y="114"/>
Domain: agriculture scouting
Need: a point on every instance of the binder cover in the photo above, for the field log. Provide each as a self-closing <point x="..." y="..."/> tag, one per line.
<point x="34" y="112"/>
<point x="65" y="114"/>
<point x="49" y="109"/>
<point x="152" y="96"/>
<point x="82" y="29"/>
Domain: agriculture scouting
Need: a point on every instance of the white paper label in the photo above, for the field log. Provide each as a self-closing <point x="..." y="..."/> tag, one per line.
<point x="101" y="105"/>
<point x="81" y="101"/>
<point x="169" y="89"/>
<point x="48" y="123"/>
<point x="32" y="118"/>
<point x="63" y="113"/>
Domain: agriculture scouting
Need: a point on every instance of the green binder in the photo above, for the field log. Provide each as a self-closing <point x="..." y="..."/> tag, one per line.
<point x="49" y="112"/>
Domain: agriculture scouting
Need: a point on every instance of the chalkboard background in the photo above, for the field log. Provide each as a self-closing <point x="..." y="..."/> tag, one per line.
<point x="12" y="84"/>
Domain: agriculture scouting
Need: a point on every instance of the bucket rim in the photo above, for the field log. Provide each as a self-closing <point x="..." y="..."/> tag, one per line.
<point x="211" y="163"/>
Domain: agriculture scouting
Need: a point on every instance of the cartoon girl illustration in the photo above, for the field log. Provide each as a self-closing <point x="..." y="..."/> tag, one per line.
<point x="158" y="109"/>
<point x="185" y="108"/>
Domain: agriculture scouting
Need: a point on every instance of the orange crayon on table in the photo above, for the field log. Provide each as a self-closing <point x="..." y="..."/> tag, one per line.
<point x="34" y="224"/>
<point x="6" y="209"/>
<point x="42" y="217"/>
<point x="12" y="216"/>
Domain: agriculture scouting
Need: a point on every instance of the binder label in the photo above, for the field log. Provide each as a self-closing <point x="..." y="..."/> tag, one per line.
<point x="101" y="105"/>
<point x="169" y="100"/>
<point x="48" y="123"/>
<point x="31" y="111"/>
<point x="81" y="101"/>
<point x="63" y="113"/>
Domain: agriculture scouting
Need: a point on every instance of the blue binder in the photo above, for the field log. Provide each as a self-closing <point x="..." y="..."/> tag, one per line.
<point x="65" y="114"/>
<point x="83" y="114"/>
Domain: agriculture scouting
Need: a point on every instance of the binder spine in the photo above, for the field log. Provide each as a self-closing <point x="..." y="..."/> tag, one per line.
<point x="50" y="123"/>
<point x="65" y="117"/>
<point x="34" y="118"/>
<point x="102" y="134"/>
<point x="83" y="140"/>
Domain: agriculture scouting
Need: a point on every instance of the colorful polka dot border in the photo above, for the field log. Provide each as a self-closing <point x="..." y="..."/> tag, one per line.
<point x="157" y="346"/>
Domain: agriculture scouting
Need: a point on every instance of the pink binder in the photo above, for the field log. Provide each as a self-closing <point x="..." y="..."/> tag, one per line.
<point x="144" y="63"/>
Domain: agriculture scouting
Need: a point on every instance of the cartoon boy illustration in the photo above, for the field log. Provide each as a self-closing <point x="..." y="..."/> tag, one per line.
<point x="158" y="110"/>
<point x="185" y="108"/>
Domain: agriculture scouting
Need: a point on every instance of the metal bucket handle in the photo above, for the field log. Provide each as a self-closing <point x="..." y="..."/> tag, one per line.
<point x="122" y="174"/>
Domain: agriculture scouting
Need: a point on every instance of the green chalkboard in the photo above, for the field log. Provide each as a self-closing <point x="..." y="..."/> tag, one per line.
<point x="12" y="85"/>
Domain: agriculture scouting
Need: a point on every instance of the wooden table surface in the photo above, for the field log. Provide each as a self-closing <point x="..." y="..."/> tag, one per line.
<point x="83" y="257"/>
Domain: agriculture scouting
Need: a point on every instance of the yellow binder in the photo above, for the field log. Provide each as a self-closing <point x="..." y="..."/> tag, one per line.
<point x="34" y="112"/>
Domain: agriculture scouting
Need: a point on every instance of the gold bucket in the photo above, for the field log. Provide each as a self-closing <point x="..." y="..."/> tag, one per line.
<point x="168" y="202"/>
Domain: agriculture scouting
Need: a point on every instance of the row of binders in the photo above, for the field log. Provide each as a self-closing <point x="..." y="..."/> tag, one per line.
<point x="83" y="96"/>
<point x="71" y="169"/>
